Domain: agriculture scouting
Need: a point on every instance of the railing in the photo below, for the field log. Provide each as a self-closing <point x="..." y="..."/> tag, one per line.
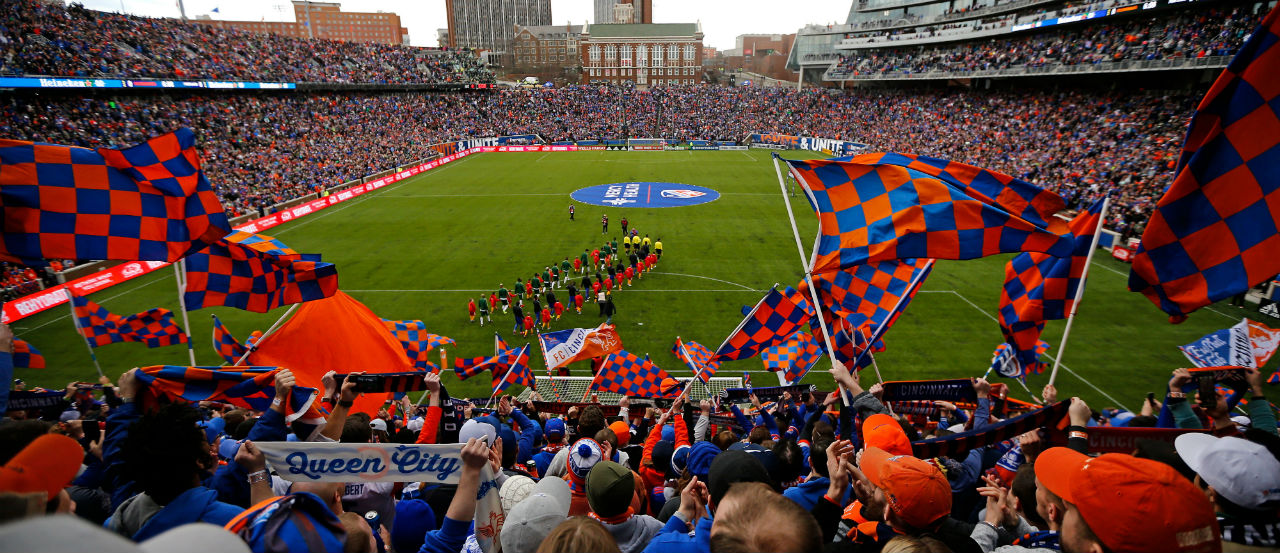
<point x="1207" y="62"/>
<point x="903" y="22"/>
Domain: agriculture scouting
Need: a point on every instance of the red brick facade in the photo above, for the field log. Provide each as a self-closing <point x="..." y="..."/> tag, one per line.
<point x="657" y="59"/>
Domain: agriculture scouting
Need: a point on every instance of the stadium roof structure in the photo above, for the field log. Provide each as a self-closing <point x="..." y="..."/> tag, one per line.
<point x="634" y="30"/>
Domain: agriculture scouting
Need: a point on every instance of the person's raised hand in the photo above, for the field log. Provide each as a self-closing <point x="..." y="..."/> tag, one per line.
<point x="982" y="387"/>
<point x="250" y="458"/>
<point x="843" y="377"/>
<point x="495" y="455"/>
<point x="1000" y="512"/>
<point x="704" y="407"/>
<point x="876" y="390"/>
<point x="432" y="382"/>
<point x="285" y="382"/>
<point x="624" y="402"/>
<point x="475" y="453"/>
<point x="348" y="391"/>
<point x="1180" y="378"/>
<point x="831" y="399"/>
<point x="504" y="405"/>
<point x="837" y="457"/>
<point x="6" y="338"/>
<point x="945" y="406"/>
<point x="678" y="404"/>
<point x="329" y="383"/>
<point x="129" y="384"/>
<point x="755" y="401"/>
<point x="1050" y="394"/>
<point x="1032" y="444"/>
<point x="1255" y="379"/>
<point x="692" y="504"/>
<point x="1079" y="412"/>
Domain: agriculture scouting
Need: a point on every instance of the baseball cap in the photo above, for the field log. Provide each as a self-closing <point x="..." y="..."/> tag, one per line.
<point x="531" y="520"/>
<point x="378" y="424"/>
<point x="731" y="467"/>
<point x="415" y="424"/>
<point x="584" y="455"/>
<point x="515" y="489"/>
<point x="1242" y="471"/>
<point x="70" y="533"/>
<point x="554" y="427"/>
<point x="69" y="415"/>
<point x="916" y="490"/>
<point x="669" y="433"/>
<point x="213" y="428"/>
<point x="482" y="431"/>
<point x="610" y="488"/>
<point x="1132" y="504"/>
<point x="47" y="464"/>
<point x="700" y="458"/>
<point x="623" y="431"/>
<point x="883" y="431"/>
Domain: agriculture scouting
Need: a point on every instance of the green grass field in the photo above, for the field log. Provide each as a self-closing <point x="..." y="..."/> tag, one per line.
<point x="420" y="248"/>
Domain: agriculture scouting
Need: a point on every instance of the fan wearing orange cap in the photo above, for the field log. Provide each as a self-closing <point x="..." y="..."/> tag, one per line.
<point x="1122" y="504"/>
<point x="43" y="468"/>
<point x="913" y="495"/>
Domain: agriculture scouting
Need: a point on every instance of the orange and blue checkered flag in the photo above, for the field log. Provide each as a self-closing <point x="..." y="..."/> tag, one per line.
<point x="865" y="295"/>
<point x="794" y="357"/>
<point x="416" y="341"/>
<point x="467" y="367"/>
<point x="1216" y="230"/>
<point x="511" y="367"/>
<point x="149" y="202"/>
<point x="772" y="320"/>
<point x="248" y="387"/>
<point x="227" y="345"/>
<point x="256" y="273"/>
<point x="1040" y="287"/>
<point x="625" y="373"/>
<point x="26" y="355"/>
<point x="697" y="357"/>
<point x="882" y="206"/>
<point x="153" y="327"/>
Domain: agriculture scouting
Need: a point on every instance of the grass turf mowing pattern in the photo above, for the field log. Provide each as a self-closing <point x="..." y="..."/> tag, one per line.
<point x="420" y="248"/>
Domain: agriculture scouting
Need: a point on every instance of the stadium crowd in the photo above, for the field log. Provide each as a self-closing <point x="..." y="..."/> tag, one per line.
<point x="1213" y="32"/>
<point x="50" y="39"/>
<point x="262" y="149"/>
<point x="821" y="471"/>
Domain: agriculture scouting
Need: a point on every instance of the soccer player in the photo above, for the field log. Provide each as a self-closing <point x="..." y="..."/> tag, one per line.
<point x="645" y="241"/>
<point x="570" y="212"/>
<point x="626" y="243"/>
<point x="629" y="272"/>
<point x="546" y="318"/>
<point x="546" y="279"/>
<point x="577" y="302"/>
<point x="613" y="273"/>
<point x="577" y="264"/>
<point x="484" y="312"/>
<point x="581" y="264"/>
<point x="657" y="247"/>
<point x="471" y="309"/>
<point x="653" y="261"/>
<point x="604" y="224"/>
<point x="504" y="297"/>
<point x="564" y="270"/>
<point x="624" y="225"/>
<point x="559" y="307"/>
<point x="528" y="325"/>
<point x="613" y="246"/>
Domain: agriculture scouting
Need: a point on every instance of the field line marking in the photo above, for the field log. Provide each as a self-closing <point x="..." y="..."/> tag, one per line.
<point x="1052" y="358"/>
<point x="708" y="278"/>
<point x="363" y="198"/>
<point x="467" y="195"/>
<point x="1097" y="264"/>
<point x="487" y="291"/>
<point x="60" y="317"/>
<point x="540" y="158"/>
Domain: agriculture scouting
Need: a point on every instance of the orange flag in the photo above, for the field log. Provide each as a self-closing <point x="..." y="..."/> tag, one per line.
<point x="337" y="333"/>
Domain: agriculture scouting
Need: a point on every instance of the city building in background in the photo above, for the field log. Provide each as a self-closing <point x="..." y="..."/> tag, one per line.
<point x="642" y="54"/>
<point x="327" y="21"/>
<point x="637" y="11"/>
<point x="490" y="24"/>
<point x="546" y="51"/>
<point x="761" y="54"/>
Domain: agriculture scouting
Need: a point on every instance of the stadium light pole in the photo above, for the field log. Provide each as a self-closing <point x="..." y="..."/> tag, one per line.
<point x="182" y="10"/>
<point x="310" y="33"/>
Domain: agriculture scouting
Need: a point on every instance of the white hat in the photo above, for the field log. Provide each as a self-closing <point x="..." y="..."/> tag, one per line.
<point x="514" y="490"/>
<point x="378" y="424"/>
<point x="1242" y="471"/>
<point x="1242" y="421"/>
<point x="531" y="520"/>
<point x="476" y="429"/>
<point x="415" y="424"/>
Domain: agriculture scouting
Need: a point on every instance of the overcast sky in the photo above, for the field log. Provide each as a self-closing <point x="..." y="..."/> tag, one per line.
<point x="722" y="20"/>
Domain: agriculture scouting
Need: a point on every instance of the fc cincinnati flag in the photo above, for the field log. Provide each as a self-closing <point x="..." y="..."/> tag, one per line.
<point x="149" y="202"/>
<point x="256" y="273"/>
<point x="881" y="206"/>
<point x="576" y="344"/>
<point x="416" y="341"/>
<point x="772" y="320"/>
<point x="625" y="373"/>
<point x="1216" y="230"/>
<point x="511" y="367"/>
<point x="153" y="327"/>
<point x="1005" y="361"/>
<point x="1039" y="287"/>
<point x="248" y="387"/>
<point x="794" y="356"/>
<point x="26" y="355"/>
<point x="699" y="359"/>
<point x="1229" y="347"/>
<point x="226" y="345"/>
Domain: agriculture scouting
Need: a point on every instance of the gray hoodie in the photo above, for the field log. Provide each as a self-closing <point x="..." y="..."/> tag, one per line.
<point x="634" y="534"/>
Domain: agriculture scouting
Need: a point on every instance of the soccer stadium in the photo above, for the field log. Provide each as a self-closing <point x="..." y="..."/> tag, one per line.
<point x="964" y="275"/>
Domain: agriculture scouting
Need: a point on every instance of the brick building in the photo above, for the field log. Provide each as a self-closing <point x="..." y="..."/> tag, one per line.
<point x="548" y="51"/>
<point x="328" y="21"/>
<point x="644" y="55"/>
<point x="762" y="54"/>
<point x="639" y="11"/>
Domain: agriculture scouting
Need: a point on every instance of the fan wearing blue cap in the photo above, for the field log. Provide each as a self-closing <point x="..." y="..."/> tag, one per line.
<point x="554" y="432"/>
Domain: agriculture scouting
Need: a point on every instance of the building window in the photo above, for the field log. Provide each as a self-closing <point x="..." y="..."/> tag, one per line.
<point x="688" y="52"/>
<point x="610" y="54"/>
<point x="673" y="52"/>
<point x="657" y="55"/>
<point x="595" y="53"/>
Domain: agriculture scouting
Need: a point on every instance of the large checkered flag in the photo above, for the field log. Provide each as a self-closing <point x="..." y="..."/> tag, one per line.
<point x="1216" y="230"/>
<point x="153" y="327"/>
<point x="772" y="320"/>
<point x="623" y="372"/>
<point x="148" y="202"/>
<point x="256" y="273"/>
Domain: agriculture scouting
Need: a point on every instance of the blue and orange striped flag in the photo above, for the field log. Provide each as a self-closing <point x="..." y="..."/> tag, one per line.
<point x="882" y="206"/>
<point x="413" y="336"/>
<point x="26" y="355"/>
<point x="697" y="357"/>
<point x="1040" y="287"/>
<point x="227" y="346"/>
<point x="248" y="387"/>
<point x="772" y="320"/>
<point x="153" y="327"/>
<point x="148" y="202"/>
<point x="256" y="273"/>
<point x="1216" y="230"/>
<point x="625" y="373"/>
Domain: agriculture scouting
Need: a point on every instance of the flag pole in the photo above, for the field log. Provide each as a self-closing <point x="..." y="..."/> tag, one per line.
<point x="182" y="303"/>
<point x="1088" y="260"/>
<point x="696" y="375"/>
<point x="804" y="264"/>
<point x="274" y="326"/>
<point x="71" y="302"/>
<point x="504" y="378"/>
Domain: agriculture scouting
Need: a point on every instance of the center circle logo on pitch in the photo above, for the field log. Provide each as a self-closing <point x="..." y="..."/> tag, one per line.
<point x="645" y="194"/>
